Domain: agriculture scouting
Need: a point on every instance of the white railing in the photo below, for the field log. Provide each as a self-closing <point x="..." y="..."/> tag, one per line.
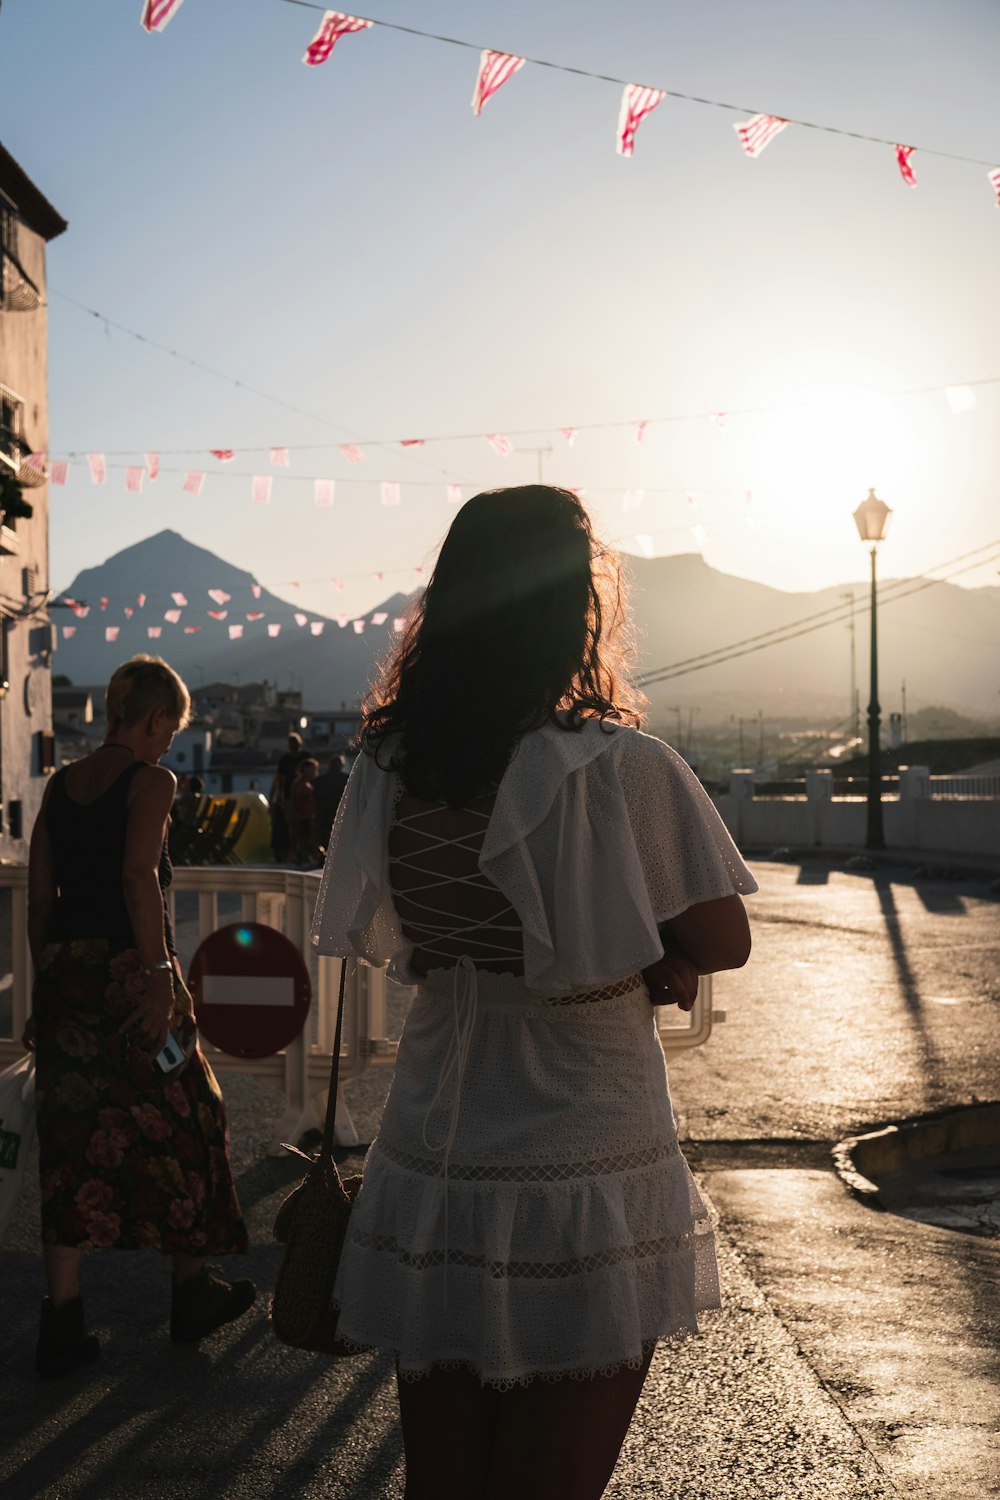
<point x="983" y="788"/>
<point x="284" y="899"/>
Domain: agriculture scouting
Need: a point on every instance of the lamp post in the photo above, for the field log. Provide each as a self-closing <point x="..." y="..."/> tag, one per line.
<point x="872" y="521"/>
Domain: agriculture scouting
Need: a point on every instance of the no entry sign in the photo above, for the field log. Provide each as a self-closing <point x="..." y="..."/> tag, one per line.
<point x="251" y="989"/>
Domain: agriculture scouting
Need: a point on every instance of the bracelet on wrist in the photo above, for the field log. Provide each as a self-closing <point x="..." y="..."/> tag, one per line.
<point x="163" y="963"/>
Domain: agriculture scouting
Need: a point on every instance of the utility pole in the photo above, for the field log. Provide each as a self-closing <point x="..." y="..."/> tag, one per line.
<point x="743" y="754"/>
<point x="906" y="732"/>
<point x="675" y="709"/>
<point x="760" y="737"/>
<point x="541" y="454"/>
<point x="855" y="707"/>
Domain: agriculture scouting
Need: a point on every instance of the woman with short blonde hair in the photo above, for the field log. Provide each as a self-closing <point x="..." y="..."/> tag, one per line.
<point x="132" y="1135"/>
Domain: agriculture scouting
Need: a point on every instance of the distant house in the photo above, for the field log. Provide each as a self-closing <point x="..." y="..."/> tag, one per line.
<point x="73" y="706"/>
<point x="27" y="636"/>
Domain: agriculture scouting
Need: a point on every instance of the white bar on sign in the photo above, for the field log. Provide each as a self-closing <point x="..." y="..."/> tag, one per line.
<point x="243" y="989"/>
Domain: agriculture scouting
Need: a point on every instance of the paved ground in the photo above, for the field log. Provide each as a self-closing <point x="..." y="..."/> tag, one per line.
<point x="856" y="1357"/>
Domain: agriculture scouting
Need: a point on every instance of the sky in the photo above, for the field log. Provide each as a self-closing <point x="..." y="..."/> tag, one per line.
<point x="351" y="241"/>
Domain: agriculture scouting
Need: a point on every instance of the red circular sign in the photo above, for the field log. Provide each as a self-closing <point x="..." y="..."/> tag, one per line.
<point x="251" y="989"/>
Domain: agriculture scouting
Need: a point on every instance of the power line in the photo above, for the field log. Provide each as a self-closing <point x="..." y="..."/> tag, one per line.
<point x="541" y="62"/>
<point x="790" y="632"/>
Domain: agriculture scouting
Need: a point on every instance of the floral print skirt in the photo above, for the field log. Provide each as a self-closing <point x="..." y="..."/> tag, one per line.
<point x="128" y="1156"/>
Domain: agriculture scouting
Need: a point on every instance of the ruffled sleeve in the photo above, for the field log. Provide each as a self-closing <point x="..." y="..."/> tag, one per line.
<point x="354" y="915"/>
<point x="684" y="848"/>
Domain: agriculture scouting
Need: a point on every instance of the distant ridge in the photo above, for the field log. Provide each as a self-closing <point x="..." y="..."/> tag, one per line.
<point x="945" y="641"/>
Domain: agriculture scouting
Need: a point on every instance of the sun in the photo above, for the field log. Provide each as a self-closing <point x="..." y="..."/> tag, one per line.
<point x="818" y="453"/>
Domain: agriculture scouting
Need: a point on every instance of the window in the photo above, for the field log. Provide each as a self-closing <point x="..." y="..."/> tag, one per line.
<point x="11" y="429"/>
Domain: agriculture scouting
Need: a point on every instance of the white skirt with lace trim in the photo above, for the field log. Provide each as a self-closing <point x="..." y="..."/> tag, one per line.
<point x="570" y="1236"/>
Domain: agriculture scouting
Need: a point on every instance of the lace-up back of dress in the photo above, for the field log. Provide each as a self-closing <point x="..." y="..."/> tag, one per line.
<point x="447" y="907"/>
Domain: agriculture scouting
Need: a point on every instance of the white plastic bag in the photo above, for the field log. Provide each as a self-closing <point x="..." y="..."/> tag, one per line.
<point x="17" y="1131"/>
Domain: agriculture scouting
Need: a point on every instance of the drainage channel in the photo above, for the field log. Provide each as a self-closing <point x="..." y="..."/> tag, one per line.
<point x="942" y="1170"/>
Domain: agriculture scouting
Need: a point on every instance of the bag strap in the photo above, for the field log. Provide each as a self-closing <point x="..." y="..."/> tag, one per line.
<point x="326" y="1150"/>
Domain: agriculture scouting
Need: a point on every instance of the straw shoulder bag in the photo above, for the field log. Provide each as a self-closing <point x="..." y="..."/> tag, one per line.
<point x="312" y="1224"/>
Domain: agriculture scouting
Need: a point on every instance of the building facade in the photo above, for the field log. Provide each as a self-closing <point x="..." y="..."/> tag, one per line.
<point x="27" y="640"/>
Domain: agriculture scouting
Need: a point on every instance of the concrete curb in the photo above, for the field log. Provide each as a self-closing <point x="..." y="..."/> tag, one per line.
<point x="861" y="1161"/>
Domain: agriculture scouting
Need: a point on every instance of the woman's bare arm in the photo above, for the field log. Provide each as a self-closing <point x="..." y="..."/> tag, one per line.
<point x="149" y="808"/>
<point x="714" y="935"/>
<point x="41" y="884"/>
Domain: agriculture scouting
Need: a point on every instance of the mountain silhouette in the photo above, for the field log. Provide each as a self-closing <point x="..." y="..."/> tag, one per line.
<point x="943" y="639"/>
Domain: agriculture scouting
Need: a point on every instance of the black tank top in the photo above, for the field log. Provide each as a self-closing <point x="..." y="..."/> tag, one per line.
<point x="88" y="854"/>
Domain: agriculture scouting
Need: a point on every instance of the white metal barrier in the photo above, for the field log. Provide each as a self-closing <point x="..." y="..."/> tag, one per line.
<point x="284" y="899"/>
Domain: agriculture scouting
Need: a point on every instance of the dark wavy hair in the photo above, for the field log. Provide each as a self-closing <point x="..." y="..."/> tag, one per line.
<point x="523" y="623"/>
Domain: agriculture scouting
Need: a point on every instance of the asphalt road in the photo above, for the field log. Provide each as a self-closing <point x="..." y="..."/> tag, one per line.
<point x="855" y="1358"/>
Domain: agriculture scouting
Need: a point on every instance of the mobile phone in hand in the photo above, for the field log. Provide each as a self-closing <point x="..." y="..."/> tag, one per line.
<point x="172" y="1056"/>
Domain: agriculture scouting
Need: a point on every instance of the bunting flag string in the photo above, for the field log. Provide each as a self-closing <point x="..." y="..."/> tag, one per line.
<point x="994" y="181"/>
<point x="500" y="442"/>
<point x="323" y="491"/>
<point x="260" y="492"/>
<point x="495" y="68"/>
<point x="194" y="482"/>
<point x="133" y="478"/>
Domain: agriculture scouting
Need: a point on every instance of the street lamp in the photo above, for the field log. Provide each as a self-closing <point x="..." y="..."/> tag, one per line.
<point x="872" y="521"/>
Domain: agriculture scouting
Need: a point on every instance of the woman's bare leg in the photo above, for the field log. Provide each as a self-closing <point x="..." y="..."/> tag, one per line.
<point x="448" y="1421"/>
<point x="562" y="1439"/>
<point x="62" y="1272"/>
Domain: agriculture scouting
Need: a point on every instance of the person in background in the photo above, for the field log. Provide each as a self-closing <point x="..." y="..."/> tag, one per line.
<point x="543" y="873"/>
<point x="132" y="1136"/>
<point x="190" y="790"/>
<point x="329" y="790"/>
<point x="302" y="813"/>
<point x="278" y="797"/>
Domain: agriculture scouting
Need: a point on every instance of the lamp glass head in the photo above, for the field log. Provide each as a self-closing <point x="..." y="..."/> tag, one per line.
<point x="872" y="518"/>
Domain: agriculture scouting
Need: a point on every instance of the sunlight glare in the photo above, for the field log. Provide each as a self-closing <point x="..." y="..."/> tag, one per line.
<point x="818" y="456"/>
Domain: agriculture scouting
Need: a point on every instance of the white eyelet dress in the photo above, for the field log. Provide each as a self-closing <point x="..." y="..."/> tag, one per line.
<point x="525" y="1211"/>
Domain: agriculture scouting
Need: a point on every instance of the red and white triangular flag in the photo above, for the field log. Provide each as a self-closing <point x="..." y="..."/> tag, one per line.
<point x="359" y="627"/>
<point x="152" y="465"/>
<point x="191" y="629"/>
<point x="301" y="619"/>
<point x="454" y="494"/>
<point x="639" y="431"/>
<point x="59" y="471"/>
<point x="255" y="590"/>
<point x="994" y="181"/>
<point x="755" y="134"/>
<point x="235" y="632"/>
<point x="637" y="102"/>
<point x="323" y="491"/>
<point x="351" y="452"/>
<point x="217" y="614"/>
<point x="632" y="500"/>
<point x="961" y="399"/>
<point x="134" y="476"/>
<point x="316" y="626"/>
<point x="157" y="14"/>
<point x="154" y="632"/>
<point x="280" y="459"/>
<point x="569" y="433"/>
<point x="194" y="482"/>
<point x="111" y="632"/>
<point x="273" y="629"/>
<point x="69" y="631"/>
<point x="255" y="614"/>
<point x="390" y="492"/>
<point x="171" y="616"/>
<point x="494" y="70"/>
<point x="333" y="26"/>
<point x="260" y="490"/>
<point x="98" y="468"/>
<point x="219" y="595"/>
<point x="412" y="442"/>
<point x="903" y="154"/>
<point x="499" y="443"/>
<point x="380" y="616"/>
<point x="224" y="455"/>
<point x="179" y="598"/>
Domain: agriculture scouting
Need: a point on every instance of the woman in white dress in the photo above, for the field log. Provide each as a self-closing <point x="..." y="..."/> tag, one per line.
<point x="511" y="844"/>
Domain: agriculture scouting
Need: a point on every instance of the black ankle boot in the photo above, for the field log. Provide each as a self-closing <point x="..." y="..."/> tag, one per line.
<point x="201" y="1304"/>
<point x="63" y="1341"/>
